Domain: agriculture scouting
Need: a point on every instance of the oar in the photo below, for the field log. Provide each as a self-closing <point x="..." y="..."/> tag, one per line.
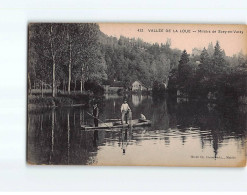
<point x="98" y="119"/>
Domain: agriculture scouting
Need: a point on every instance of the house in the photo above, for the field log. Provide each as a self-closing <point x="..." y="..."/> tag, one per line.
<point x="138" y="86"/>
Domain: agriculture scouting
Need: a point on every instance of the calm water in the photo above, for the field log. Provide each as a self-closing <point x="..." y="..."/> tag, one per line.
<point x="182" y="134"/>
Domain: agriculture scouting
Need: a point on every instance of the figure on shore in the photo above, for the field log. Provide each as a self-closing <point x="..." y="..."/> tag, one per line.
<point x="96" y="114"/>
<point x="126" y="112"/>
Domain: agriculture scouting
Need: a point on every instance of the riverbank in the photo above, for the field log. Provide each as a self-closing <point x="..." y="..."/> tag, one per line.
<point x="36" y="101"/>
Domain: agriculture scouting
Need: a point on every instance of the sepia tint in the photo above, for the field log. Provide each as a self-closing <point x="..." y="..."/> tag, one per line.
<point x="137" y="94"/>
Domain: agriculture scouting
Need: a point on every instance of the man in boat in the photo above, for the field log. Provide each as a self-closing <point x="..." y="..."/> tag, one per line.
<point x="126" y="111"/>
<point x="142" y="117"/>
<point x="96" y="114"/>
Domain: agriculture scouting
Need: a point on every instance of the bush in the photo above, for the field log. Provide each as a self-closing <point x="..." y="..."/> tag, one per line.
<point x="158" y="89"/>
<point x="94" y="87"/>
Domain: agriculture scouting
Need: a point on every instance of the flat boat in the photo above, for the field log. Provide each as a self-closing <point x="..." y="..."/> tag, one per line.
<point x="117" y="125"/>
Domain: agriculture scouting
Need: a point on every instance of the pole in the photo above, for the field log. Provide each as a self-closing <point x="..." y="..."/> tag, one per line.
<point x="98" y="119"/>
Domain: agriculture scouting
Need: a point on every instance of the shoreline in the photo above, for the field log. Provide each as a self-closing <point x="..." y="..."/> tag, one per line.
<point x="72" y="100"/>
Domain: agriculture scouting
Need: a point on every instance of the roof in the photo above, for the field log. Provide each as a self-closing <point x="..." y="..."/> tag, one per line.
<point x="140" y="83"/>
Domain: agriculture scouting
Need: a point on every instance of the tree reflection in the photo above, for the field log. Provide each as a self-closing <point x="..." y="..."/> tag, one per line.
<point x="55" y="136"/>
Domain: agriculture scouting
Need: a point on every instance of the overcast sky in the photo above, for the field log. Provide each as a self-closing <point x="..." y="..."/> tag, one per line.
<point x="229" y="41"/>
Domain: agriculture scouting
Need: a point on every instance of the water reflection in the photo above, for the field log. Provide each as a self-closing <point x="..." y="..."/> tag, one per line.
<point x="137" y="99"/>
<point x="125" y="136"/>
<point x="179" y="130"/>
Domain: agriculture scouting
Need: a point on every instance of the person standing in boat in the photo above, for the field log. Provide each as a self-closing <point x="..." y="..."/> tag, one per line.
<point x="96" y="114"/>
<point x="126" y="111"/>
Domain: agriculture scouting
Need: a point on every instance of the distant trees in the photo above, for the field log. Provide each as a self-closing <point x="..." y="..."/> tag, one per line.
<point x="216" y="74"/>
<point x="210" y="49"/>
<point x="130" y="59"/>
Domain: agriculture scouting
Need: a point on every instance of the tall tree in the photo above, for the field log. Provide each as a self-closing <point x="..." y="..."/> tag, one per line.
<point x="53" y="55"/>
<point x="210" y="49"/>
<point x="184" y="72"/>
<point x="45" y="46"/>
<point x="204" y="66"/>
<point x="219" y="62"/>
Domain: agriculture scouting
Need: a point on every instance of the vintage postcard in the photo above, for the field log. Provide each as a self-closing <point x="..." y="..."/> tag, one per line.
<point x="120" y="94"/>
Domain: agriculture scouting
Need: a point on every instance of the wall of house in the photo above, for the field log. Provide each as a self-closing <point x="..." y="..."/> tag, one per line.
<point x="136" y="86"/>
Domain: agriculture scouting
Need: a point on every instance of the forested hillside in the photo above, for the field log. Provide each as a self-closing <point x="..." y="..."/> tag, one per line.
<point x="133" y="59"/>
<point x="80" y="52"/>
<point x="66" y="57"/>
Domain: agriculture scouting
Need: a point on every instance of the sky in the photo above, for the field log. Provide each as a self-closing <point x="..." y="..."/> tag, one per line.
<point x="232" y="38"/>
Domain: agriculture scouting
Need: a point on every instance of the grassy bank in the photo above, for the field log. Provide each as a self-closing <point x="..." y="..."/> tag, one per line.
<point x="59" y="100"/>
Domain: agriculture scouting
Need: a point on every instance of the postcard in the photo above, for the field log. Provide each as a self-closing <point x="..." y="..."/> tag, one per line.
<point x="137" y="94"/>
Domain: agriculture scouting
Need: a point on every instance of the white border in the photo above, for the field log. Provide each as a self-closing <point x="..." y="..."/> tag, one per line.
<point x="15" y="175"/>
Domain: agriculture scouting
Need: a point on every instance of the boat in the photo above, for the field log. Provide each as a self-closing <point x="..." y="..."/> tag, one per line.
<point x="117" y="125"/>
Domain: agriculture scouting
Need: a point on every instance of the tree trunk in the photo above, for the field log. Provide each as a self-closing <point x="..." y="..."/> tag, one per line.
<point x="53" y="80"/>
<point x="82" y="85"/>
<point x="75" y="86"/>
<point x="82" y="81"/>
<point x="53" y="66"/>
<point x="69" y="67"/>
<point x="42" y="89"/>
<point x="63" y="86"/>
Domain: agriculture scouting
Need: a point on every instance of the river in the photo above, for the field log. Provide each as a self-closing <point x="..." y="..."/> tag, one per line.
<point x="182" y="134"/>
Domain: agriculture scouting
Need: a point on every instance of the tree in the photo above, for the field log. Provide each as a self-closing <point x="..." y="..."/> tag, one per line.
<point x="173" y="81"/>
<point x="184" y="72"/>
<point x="242" y="60"/>
<point x="45" y="52"/>
<point x="210" y="49"/>
<point x="62" y="52"/>
<point x="204" y="66"/>
<point x="53" y="55"/>
<point x="93" y="65"/>
<point x="219" y="63"/>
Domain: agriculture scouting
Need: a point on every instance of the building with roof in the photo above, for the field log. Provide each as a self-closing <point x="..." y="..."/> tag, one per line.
<point x="139" y="86"/>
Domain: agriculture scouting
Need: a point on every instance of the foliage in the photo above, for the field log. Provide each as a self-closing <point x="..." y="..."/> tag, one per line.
<point x="94" y="87"/>
<point x="158" y="89"/>
<point x="85" y="58"/>
<point x="130" y="59"/>
<point x="217" y="76"/>
<point x="71" y="49"/>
